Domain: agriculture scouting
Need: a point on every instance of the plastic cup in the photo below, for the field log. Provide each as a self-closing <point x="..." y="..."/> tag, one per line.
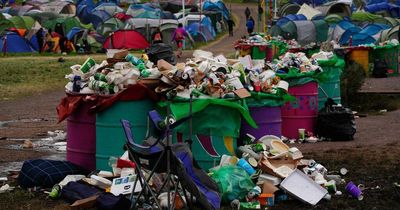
<point x="302" y="134"/>
<point x="246" y="166"/>
<point x="354" y="191"/>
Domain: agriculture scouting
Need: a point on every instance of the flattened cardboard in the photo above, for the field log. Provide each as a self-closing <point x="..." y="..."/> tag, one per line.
<point x="242" y="93"/>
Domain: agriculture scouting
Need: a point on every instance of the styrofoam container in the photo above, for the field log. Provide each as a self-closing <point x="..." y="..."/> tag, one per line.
<point x="303" y="188"/>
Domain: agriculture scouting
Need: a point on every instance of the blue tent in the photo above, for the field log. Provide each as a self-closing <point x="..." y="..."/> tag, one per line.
<point x="203" y="31"/>
<point x="290" y="17"/>
<point x="17" y="44"/>
<point x="217" y="6"/>
<point x="309" y="2"/>
<point x="392" y="9"/>
<point x="369" y="34"/>
<point x="73" y="32"/>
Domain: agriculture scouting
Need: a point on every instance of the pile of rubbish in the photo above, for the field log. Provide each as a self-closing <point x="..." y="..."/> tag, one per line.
<point x="269" y="171"/>
<point x="204" y="75"/>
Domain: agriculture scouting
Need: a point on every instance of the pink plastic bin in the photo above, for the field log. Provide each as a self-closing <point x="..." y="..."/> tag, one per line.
<point x="301" y="113"/>
<point x="81" y="137"/>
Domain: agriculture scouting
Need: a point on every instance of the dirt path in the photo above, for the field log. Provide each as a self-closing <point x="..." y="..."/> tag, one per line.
<point x="31" y="117"/>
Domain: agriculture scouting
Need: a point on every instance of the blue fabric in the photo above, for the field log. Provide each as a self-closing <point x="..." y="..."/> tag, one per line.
<point x="17" y="44"/>
<point x="216" y="6"/>
<point x="213" y="197"/>
<point x="290" y="17"/>
<point x="45" y="173"/>
<point x="361" y="39"/>
<point x="73" y="32"/>
<point x="250" y="24"/>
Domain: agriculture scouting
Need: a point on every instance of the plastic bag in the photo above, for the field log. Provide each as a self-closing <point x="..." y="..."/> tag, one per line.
<point x="233" y="182"/>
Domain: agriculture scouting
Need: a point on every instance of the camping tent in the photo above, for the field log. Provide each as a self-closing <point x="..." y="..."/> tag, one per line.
<point x="5" y="24"/>
<point x="22" y="22"/>
<point x="308" y="11"/>
<point x="288" y="9"/>
<point x="59" y="7"/>
<point x="109" y="26"/>
<point x="147" y="26"/>
<point x="126" y="39"/>
<point x="388" y="21"/>
<point x="216" y="6"/>
<point x="385" y="7"/>
<point x="333" y="18"/>
<point x="42" y="17"/>
<point x="369" y="34"/>
<point x="306" y="32"/>
<point x="21" y="10"/>
<point x="12" y="42"/>
<point x="342" y="31"/>
<point x="321" y="28"/>
<point x="389" y="34"/>
<point x="67" y="23"/>
<point x="109" y="8"/>
<point x="175" y="6"/>
<point x="338" y="8"/>
<point x="364" y="17"/>
<point x="281" y="21"/>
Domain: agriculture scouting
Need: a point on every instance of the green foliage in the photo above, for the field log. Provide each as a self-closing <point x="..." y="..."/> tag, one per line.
<point x="352" y="79"/>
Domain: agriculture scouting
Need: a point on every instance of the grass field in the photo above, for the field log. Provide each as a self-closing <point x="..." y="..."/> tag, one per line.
<point x="26" y="75"/>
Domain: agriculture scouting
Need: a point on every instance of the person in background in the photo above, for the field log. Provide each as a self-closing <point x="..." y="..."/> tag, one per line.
<point x="247" y="13"/>
<point x="250" y="25"/>
<point x="179" y="37"/>
<point x="157" y="36"/>
<point x="231" y="24"/>
<point x="40" y="39"/>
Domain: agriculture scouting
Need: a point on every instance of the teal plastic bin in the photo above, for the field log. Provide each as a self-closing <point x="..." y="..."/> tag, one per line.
<point x="331" y="87"/>
<point x="110" y="136"/>
<point x="211" y="139"/>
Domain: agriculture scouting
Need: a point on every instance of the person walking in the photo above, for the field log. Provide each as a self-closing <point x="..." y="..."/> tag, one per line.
<point x="179" y="38"/>
<point x="250" y="25"/>
<point x="231" y="24"/>
<point x="247" y="13"/>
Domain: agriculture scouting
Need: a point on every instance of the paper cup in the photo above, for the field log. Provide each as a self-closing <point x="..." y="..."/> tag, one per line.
<point x="283" y="85"/>
<point x="89" y="63"/>
<point x="302" y="134"/>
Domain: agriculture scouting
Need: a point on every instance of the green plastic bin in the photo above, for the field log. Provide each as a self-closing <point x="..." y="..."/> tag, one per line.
<point x="331" y="87"/>
<point x="208" y="141"/>
<point x="257" y="53"/>
<point x="110" y="136"/>
<point x="390" y="54"/>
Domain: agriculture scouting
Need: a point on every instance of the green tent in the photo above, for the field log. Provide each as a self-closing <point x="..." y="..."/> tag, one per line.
<point x="321" y="28"/>
<point x="364" y="17"/>
<point x="43" y="17"/>
<point x="289" y="30"/>
<point x="67" y="22"/>
<point x="333" y="18"/>
<point x="388" y="21"/>
<point x="275" y="31"/>
<point x="18" y="22"/>
<point x="5" y="24"/>
<point x="109" y="26"/>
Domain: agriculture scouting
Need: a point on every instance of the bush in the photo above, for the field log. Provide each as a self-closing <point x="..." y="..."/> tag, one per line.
<point x="351" y="81"/>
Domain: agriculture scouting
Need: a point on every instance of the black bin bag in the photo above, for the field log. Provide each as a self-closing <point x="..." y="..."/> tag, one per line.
<point x="335" y="122"/>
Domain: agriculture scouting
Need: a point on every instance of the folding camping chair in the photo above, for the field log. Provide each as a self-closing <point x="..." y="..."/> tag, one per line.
<point x="156" y="158"/>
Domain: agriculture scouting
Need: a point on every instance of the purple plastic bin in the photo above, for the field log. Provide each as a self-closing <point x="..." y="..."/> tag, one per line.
<point x="268" y="119"/>
<point x="301" y="113"/>
<point x="81" y="137"/>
